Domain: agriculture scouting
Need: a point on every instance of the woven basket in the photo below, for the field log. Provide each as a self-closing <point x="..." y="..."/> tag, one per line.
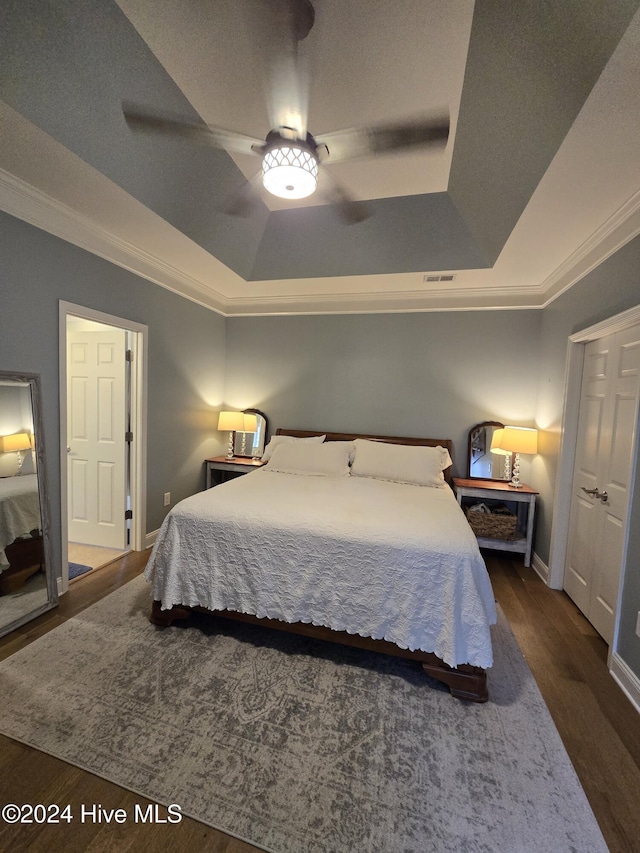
<point x="493" y="525"/>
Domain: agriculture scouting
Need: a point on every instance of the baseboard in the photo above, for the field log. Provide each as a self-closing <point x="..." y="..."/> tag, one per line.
<point x="150" y="538"/>
<point x="540" y="568"/>
<point x="627" y="679"/>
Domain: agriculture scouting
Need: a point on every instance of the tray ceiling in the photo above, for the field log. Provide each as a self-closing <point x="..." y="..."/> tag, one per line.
<point x="540" y="179"/>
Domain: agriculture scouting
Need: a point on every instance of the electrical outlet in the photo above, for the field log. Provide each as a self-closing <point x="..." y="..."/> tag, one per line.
<point x="167" y="499"/>
<point x="638" y="625"/>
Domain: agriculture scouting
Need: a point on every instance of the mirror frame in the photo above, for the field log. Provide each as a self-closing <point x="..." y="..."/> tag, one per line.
<point x="33" y="381"/>
<point x="240" y="432"/>
<point x="483" y="424"/>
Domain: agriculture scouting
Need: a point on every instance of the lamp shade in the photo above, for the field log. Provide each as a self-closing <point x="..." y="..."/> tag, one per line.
<point x="250" y="422"/>
<point x="231" y="421"/>
<point x="495" y="443"/>
<point x="519" y="440"/>
<point x="19" y="441"/>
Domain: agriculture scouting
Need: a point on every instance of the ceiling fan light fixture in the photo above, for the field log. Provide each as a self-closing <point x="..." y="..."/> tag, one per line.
<point x="290" y="170"/>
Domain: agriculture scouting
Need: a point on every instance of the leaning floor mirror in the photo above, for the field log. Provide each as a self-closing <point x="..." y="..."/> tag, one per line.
<point x="28" y="584"/>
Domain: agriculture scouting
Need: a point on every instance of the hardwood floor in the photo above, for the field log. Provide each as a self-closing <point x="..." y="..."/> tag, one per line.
<point x="599" y="726"/>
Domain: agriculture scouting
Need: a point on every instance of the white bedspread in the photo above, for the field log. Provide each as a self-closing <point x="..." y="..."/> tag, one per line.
<point x="375" y="558"/>
<point x="19" y="510"/>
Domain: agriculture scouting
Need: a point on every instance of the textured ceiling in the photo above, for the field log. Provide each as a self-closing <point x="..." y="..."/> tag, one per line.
<point x="540" y="177"/>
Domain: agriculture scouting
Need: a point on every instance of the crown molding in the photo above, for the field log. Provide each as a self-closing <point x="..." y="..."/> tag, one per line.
<point x="25" y="202"/>
<point x="31" y="205"/>
<point x="392" y="301"/>
<point x="621" y="227"/>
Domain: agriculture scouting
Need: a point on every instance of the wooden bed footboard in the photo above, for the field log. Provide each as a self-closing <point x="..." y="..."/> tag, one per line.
<point x="464" y="682"/>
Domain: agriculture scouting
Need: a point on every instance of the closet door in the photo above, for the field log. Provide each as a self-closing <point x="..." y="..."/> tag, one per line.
<point x="602" y="476"/>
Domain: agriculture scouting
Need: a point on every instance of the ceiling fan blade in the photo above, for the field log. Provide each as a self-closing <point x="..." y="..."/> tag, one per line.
<point x="384" y="138"/>
<point x="142" y="121"/>
<point x="348" y="209"/>
<point x="245" y="200"/>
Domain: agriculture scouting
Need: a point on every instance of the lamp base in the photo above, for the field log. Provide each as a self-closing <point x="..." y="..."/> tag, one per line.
<point x="230" y="446"/>
<point x="515" y="477"/>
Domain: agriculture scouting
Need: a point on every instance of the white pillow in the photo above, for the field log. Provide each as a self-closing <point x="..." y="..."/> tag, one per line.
<point x="8" y="464"/>
<point x="330" y="459"/>
<point x="28" y="463"/>
<point x="402" y="463"/>
<point x="286" y="439"/>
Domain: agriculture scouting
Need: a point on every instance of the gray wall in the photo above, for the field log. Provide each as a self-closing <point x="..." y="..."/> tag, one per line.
<point x="611" y="288"/>
<point x="421" y="374"/>
<point x="186" y="355"/>
<point x="417" y="374"/>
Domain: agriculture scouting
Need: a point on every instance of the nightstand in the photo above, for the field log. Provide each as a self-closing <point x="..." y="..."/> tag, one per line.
<point x="481" y="491"/>
<point x="219" y="469"/>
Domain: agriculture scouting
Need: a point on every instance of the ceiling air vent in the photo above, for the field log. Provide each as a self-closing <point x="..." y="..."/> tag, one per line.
<point x="445" y="277"/>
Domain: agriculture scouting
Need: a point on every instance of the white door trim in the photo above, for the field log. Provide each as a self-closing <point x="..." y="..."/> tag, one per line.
<point x="569" y="435"/>
<point x="138" y="484"/>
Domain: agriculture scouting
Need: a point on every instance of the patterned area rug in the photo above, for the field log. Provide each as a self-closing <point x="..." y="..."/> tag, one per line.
<point x="295" y="745"/>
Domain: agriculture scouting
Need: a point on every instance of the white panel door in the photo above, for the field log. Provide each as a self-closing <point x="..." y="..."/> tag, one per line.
<point x="96" y="424"/>
<point x="602" y="474"/>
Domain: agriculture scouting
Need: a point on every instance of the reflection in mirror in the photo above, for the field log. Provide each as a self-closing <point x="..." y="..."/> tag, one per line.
<point x="251" y="442"/>
<point x="483" y="462"/>
<point x="27" y="579"/>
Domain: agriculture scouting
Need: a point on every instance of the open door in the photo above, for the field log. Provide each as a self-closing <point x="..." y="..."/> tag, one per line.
<point x="97" y="419"/>
<point x="110" y="499"/>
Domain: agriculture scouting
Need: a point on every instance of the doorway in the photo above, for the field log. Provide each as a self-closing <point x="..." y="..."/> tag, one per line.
<point x="103" y="438"/>
<point x="560" y="542"/>
<point x="603" y="476"/>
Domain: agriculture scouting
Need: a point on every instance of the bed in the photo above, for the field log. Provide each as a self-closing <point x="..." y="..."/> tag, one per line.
<point x="20" y="537"/>
<point x="342" y="537"/>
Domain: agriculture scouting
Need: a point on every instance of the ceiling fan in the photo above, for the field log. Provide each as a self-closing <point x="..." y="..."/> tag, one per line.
<point x="291" y="156"/>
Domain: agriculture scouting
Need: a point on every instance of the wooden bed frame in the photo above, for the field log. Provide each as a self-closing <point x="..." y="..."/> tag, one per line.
<point x="26" y="557"/>
<point x="464" y="682"/>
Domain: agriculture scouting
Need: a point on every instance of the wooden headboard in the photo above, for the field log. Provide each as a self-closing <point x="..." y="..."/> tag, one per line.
<point x="389" y="439"/>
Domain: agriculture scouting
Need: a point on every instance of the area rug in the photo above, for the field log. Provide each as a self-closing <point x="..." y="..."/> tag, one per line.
<point x="295" y="745"/>
<point x="75" y="570"/>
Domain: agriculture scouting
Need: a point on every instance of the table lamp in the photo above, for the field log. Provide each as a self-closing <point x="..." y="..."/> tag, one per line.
<point x="518" y="440"/>
<point x="16" y="443"/>
<point x="250" y="425"/>
<point x="498" y="451"/>
<point x="231" y="421"/>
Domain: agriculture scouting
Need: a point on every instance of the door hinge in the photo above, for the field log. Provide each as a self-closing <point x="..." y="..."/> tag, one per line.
<point x="128" y="514"/>
<point x="128" y="436"/>
<point x="129" y="355"/>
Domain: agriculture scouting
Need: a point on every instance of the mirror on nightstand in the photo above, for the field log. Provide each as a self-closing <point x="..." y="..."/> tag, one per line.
<point x="251" y="444"/>
<point x="482" y="462"/>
